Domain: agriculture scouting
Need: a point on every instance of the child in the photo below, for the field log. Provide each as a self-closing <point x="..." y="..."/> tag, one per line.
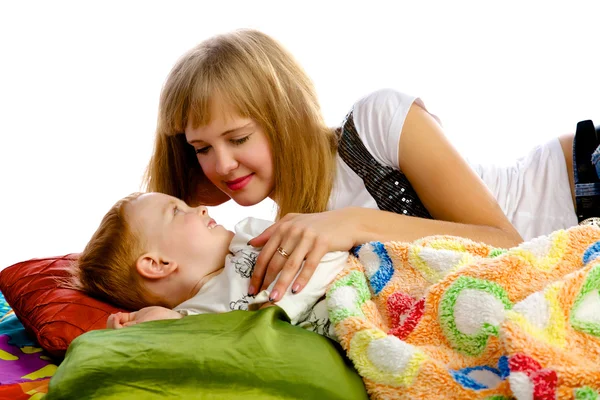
<point x="154" y="253"/>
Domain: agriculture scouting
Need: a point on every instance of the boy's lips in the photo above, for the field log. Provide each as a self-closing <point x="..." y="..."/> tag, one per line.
<point x="211" y="224"/>
<point x="239" y="183"/>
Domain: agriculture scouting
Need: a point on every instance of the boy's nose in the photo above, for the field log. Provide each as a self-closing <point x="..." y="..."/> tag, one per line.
<point x="202" y="210"/>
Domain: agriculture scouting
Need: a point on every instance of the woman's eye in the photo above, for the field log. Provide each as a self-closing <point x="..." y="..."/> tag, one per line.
<point x="203" y="150"/>
<point x="176" y="210"/>
<point x="240" y="140"/>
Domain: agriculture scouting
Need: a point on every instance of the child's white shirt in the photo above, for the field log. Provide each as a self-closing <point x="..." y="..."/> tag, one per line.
<point x="228" y="291"/>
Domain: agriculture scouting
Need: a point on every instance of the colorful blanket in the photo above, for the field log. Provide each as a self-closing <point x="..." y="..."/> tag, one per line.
<point x="25" y="370"/>
<point x="445" y="317"/>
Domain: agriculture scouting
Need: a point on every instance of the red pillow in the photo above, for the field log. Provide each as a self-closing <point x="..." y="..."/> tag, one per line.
<point x="53" y="315"/>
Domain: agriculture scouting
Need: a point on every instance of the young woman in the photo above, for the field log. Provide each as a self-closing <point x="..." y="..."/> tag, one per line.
<point x="240" y="119"/>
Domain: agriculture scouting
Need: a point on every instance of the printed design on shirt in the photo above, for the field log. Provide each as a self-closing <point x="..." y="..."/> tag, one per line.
<point x="316" y="319"/>
<point x="240" y="304"/>
<point x="244" y="263"/>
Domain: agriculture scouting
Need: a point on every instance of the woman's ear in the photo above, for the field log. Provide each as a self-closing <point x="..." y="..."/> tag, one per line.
<point x="151" y="266"/>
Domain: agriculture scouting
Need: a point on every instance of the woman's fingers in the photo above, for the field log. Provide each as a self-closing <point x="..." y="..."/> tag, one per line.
<point x="270" y="242"/>
<point x="273" y="268"/>
<point x="270" y="261"/>
<point x="260" y="268"/>
<point x="263" y="238"/>
<point x="279" y="259"/>
<point x="310" y="265"/>
<point x="290" y="268"/>
<point x="287" y="245"/>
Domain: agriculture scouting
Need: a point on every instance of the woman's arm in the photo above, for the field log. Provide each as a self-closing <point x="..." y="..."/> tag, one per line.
<point x="447" y="186"/>
<point x="383" y="226"/>
<point x="450" y="190"/>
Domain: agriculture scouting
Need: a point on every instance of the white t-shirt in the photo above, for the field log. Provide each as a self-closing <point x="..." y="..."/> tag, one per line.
<point x="379" y="118"/>
<point x="228" y="291"/>
<point x="533" y="192"/>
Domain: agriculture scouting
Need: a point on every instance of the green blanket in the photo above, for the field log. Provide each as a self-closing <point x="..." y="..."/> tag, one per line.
<point x="237" y="355"/>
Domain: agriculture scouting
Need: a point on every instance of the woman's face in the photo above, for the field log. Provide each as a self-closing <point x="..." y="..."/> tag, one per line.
<point x="234" y="154"/>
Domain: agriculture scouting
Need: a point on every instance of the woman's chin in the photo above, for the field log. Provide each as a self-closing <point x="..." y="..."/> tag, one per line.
<point x="246" y="201"/>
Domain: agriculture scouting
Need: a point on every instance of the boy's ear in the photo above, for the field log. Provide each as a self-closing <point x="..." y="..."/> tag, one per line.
<point x="151" y="266"/>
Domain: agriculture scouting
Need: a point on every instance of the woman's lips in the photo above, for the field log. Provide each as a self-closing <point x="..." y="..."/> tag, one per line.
<point x="239" y="183"/>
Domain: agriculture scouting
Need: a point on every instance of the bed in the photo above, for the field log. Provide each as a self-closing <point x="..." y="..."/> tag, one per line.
<point x="64" y="352"/>
<point x="440" y="317"/>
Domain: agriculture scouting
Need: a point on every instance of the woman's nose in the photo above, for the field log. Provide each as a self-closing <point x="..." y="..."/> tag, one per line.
<point x="225" y="163"/>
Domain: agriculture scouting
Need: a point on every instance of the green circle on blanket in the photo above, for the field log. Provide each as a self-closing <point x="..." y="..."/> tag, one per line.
<point x="585" y="313"/>
<point x="470" y="312"/>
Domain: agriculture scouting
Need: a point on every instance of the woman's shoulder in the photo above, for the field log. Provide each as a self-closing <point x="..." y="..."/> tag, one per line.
<point x="384" y="112"/>
<point x="380" y="115"/>
<point x="386" y="98"/>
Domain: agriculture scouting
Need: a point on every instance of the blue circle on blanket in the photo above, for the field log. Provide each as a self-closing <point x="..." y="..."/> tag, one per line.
<point x="591" y="252"/>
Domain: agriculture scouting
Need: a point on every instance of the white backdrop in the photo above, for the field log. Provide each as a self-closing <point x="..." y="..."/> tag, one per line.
<point x="79" y="86"/>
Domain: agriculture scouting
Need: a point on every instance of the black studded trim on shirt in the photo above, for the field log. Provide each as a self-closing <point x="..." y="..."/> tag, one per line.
<point x="388" y="186"/>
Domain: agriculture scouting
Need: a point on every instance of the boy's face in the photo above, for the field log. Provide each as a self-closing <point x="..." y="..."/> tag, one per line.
<point x="180" y="233"/>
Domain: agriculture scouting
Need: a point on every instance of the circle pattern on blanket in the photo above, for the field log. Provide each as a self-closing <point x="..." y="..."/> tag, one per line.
<point x="541" y="316"/>
<point x="435" y="263"/>
<point x="347" y="295"/>
<point x="460" y="315"/>
<point x="385" y="358"/>
<point x="529" y="380"/>
<point x="471" y="311"/>
<point x="591" y="252"/>
<point x="543" y="252"/>
<point x="535" y="309"/>
<point x="585" y="313"/>
<point x="586" y="393"/>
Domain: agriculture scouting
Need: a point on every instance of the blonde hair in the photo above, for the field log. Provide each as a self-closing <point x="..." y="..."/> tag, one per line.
<point x="106" y="269"/>
<point x="255" y="75"/>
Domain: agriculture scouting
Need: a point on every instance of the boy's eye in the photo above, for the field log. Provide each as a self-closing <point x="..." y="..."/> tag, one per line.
<point x="176" y="210"/>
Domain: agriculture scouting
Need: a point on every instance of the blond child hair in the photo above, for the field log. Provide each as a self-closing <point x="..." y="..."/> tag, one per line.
<point x="106" y="269"/>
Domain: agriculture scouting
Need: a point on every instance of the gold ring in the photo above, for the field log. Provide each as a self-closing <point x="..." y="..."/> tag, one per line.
<point x="284" y="253"/>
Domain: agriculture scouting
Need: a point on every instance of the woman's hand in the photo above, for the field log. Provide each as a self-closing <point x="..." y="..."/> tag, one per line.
<point x="122" y="319"/>
<point x="298" y="238"/>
